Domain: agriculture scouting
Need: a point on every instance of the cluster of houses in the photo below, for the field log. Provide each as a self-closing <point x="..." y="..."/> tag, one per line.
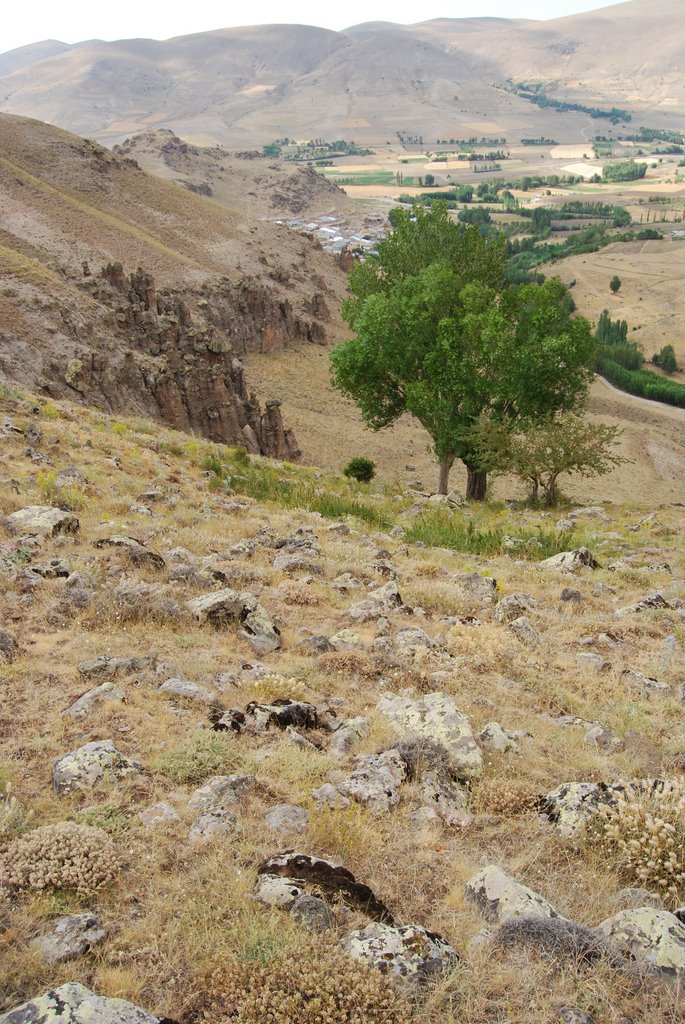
<point x="337" y="234"/>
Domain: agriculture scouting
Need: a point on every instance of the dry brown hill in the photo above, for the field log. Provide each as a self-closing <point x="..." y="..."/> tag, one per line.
<point x="243" y="87"/>
<point x="212" y="284"/>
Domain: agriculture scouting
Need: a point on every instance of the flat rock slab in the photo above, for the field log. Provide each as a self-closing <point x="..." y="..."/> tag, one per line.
<point x="106" y="667"/>
<point x="71" y="937"/>
<point x="75" y="1004"/>
<point x="221" y="792"/>
<point x="44" y="520"/>
<point x="138" y="552"/>
<point x="303" y="871"/>
<point x="90" y="764"/>
<point x="436" y="717"/>
<point x="571" y="561"/>
<point x="407" y="953"/>
<point x="499" y="896"/>
<point x="655" y="937"/>
<point x="88" y="702"/>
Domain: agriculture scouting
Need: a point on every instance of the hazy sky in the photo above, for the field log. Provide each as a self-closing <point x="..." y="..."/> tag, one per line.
<point x="73" y="22"/>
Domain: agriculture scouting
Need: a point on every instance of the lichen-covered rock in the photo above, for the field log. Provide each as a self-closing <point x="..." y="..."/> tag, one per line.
<point x="655" y="937"/>
<point x="313" y="914"/>
<point x="499" y="896"/>
<point x="436" y="717"/>
<point x="571" y="561"/>
<point x="480" y="590"/>
<point x="104" y="693"/>
<point x="326" y="878"/>
<point x="493" y="737"/>
<point x="260" y="631"/>
<point x="90" y="764"/>
<point x="444" y="798"/>
<point x="642" y="683"/>
<point x="282" y="713"/>
<point x="71" y="937"/>
<point x="512" y="606"/>
<point x="225" y="606"/>
<point x="405" y="953"/>
<point x="158" y="814"/>
<point x="275" y="891"/>
<point x="106" y="667"/>
<point x="221" y="792"/>
<point x="651" y="603"/>
<point x="44" y="520"/>
<point x="376" y="781"/>
<point x="571" y="805"/>
<point x="524" y="630"/>
<point x="186" y="690"/>
<point x="287" y="819"/>
<point x="75" y="1004"/>
<point x="208" y="826"/>
<point x="328" y="796"/>
<point x="348" y="732"/>
<point x="136" y="551"/>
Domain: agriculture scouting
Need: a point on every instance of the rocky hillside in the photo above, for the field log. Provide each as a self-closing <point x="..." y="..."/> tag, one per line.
<point x="136" y="295"/>
<point x="278" y="746"/>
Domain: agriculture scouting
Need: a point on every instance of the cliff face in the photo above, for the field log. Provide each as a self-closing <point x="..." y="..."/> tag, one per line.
<point x="155" y="356"/>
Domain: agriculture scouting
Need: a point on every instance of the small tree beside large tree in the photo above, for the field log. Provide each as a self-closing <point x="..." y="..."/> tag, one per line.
<point x="441" y="336"/>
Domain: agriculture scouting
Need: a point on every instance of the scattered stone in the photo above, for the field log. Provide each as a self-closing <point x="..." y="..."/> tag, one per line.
<point x="318" y="644"/>
<point x="276" y="891"/>
<point x="282" y="713"/>
<point x="219" y="822"/>
<point x="44" y="520"/>
<point x="435" y="716"/>
<point x="75" y="1004"/>
<point x="591" y="512"/>
<point x="327" y="796"/>
<point x="407" y="953"/>
<point x="524" y="630"/>
<point x="9" y="647"/>
<point x="572" y="1015"/>
<point x="136" y="551"/>
<point x="513" y="606"/>
<point x="106" y="667"/>
<point x="187" y="691"/>
<point x="328" y="878"/>
<point x="347" y="733"/>
<point x="346" y="640"/>
<point x="498" y="896"/>
<point x="287" y="819"/>
<point x="224" y="606"/>
<point x="103" y="694"/>
<point x="444" y="799"/>
<point x="346" y="581"/>
<point x="158" y="814"/>
<point x="298" y="740"/>
<point x="494" y="737"/>
<point x="571" y="561"/>
<point x="53" y="569"/>
<point x="654" y="937"/>
<point x="603" y="738"/>
<point x="313" y="914"/>
<point x="564" y="526"/>
<point x="568" y="594"/>
<point x="652" y="603"/>
<point x="481" y="589"/>
<point x="71" y="937"/>
<point x="593" y="662"/>
<point x="376" y="781"/>
<point x="221" y="792"/>
<point x="644" y="684"/>
<point x="570" y="805"/>
<point x="90" y="764"/>
<point x="296" y="564"/>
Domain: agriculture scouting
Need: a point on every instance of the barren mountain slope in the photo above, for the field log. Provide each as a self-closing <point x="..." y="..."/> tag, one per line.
<point x="244" y="181"/>
<point x="213" y="283"/>
<point x="243" y="87"/>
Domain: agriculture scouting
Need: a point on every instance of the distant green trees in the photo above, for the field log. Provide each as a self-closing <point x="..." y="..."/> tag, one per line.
<point x="624" y="170"/>
<point x="615" y="283"/>
<point x="666" y="359"/>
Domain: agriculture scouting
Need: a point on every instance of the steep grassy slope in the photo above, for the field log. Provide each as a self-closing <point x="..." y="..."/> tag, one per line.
<point x="179" y="908"/>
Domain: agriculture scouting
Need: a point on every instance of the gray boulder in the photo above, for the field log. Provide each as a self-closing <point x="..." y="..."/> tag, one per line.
<point x="435" y="716"/>
<point x="376" y="781"/>
<point x="158" y="814"/>
<point x="106" y="667"/>
<point x="211" y="825"/>
<point x="71" y="937"/>
<point x="656" y="938"/>
<point x="512" y="606"/>
<point x="313" y="914"/>
<point x="186" y="690"/>
<point x="88" y="702"/>
<point x="571" y="561"/>
<point x="287" y="819"/>
<point x="137" y="552"/>
<point x="327" y="796"/>
<point x="44" y="520"/>
<point x="524" y="630"/>
<point x="222" y="607"/>
<point x="277" y="891"/>
<point x="499" y="896"/>
<point x="494" y="737"/>
<point x="90" y="764"/>
<point x="571" y="805"/>
<point x="221" y="792"/>
<point x="75" y="1004"/>
<point x="405" y="953"/>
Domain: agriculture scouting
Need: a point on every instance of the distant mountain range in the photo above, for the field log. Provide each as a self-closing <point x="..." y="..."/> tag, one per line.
<point x="442" y="78"/>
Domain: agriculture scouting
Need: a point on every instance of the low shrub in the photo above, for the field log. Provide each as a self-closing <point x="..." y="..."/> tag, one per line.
<point x="199" y="757"/>
<point x="61" y="856"/>
<point x="361" y="469"/>
<point x="310" y="985"/>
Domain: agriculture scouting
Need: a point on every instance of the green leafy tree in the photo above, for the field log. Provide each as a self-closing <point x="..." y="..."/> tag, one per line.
<point x="666" y="359"/>
<point x="439" y="336"/>
<point x="539" y="452"/>
<point x="361" y="469"/>
<point x="615" y="283"/>
<point x="429" y="179"/>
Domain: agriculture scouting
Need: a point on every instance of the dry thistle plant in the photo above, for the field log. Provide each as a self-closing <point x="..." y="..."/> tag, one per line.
<point x="61" y="856"/>
<point x="646" y="830"/>
<point x="506" y="797"/>
<point x="315" y="984"/>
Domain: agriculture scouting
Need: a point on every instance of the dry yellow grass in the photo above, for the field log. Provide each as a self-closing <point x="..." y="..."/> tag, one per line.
<point x="176" y="906"/>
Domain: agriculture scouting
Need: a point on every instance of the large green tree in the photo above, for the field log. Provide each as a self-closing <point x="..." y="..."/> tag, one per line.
<point x="439" y="335"/>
